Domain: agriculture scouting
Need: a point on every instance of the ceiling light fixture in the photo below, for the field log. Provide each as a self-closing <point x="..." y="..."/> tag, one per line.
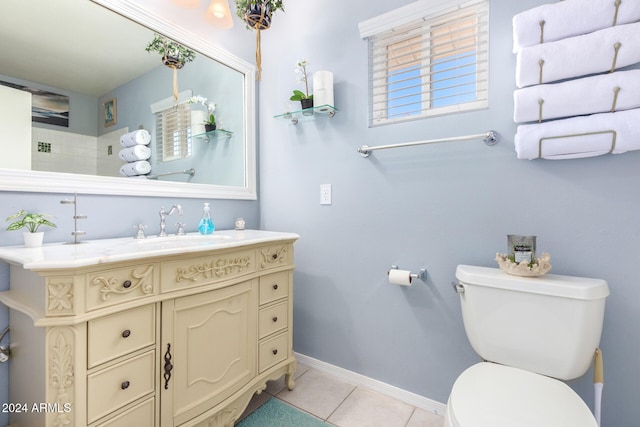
<point x="219" y="15"/>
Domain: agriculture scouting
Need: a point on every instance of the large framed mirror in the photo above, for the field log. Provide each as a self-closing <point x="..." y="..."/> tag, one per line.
<point x="92" y="54"/>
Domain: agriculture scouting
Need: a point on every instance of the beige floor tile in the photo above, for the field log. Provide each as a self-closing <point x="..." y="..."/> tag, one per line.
<point x="317" y="393"/>
<point x="275" y="387"/>
<point x="365" y="408"/>
<point x="422" y="418"/>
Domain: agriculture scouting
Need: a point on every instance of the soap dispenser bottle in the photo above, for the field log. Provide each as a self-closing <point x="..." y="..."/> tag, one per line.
<point x="206" y="223"/>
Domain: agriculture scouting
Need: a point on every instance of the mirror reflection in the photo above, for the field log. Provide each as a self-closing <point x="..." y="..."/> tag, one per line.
<point x="96" y="86"/>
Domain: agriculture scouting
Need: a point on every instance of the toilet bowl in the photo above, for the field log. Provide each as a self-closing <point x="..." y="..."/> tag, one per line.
<point x="532" y="333"/>
<point x="492" y="395"/>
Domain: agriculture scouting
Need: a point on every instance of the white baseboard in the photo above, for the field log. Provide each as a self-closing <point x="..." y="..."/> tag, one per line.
<point x="374" y="385"/>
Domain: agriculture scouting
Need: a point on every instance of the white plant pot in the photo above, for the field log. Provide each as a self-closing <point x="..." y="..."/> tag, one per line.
<point x="33" y="240"/>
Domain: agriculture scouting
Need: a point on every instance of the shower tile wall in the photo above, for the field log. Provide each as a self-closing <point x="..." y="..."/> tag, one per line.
<point x="57" y="151"/>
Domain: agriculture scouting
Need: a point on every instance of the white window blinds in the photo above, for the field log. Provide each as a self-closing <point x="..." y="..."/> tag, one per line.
<point x="173" y="127"/>
<point x="427" y="59"/>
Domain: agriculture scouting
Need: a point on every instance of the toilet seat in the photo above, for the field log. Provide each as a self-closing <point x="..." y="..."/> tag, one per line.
<point x="492" y="395"/>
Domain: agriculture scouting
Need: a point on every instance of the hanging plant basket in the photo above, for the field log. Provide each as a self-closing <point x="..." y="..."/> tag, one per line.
<point x="172" y="62"/>
<point x="258" y="16"/>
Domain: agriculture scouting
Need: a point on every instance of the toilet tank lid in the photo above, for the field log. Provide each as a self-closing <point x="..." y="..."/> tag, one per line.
<point x="549" y="284"/>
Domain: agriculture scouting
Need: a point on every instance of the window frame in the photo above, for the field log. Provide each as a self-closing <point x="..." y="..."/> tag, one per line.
<point x="418" y="20"/>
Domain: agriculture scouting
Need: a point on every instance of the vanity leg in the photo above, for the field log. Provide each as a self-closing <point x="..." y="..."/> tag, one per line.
<point x="288" y="378"/>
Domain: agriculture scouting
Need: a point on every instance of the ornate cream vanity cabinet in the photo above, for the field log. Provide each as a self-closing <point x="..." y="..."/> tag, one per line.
<point x="177" y="331"/>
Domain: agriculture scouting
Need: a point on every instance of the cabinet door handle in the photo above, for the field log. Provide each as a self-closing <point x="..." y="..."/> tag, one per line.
<point x="126" y="284"/>
<point x="167" y="367"/>
<point x="126" y="333"/>
<point x="275" y="351"/>
<point x="125" y="385"/>
<point x="275" y="319"/>
<point x="275" y="286"/>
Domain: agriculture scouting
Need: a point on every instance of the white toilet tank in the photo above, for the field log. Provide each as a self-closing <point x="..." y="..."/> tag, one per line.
<point x="550" y="325"/>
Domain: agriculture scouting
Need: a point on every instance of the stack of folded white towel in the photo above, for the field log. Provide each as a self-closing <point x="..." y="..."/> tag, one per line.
<point x="136" y="153"/>
<point x="567" y="54"/>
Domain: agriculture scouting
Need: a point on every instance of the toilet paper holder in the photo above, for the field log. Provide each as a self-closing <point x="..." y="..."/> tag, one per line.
<point x="422" y="274"/>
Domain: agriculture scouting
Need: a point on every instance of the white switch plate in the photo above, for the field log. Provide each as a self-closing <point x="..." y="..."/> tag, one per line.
<point x="325" y="194"/>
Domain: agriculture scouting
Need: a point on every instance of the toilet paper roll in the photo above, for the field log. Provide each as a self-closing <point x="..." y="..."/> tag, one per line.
<point x="133" y="154"/>
<point x="137" y="137"/>
<point x="140" y="167"/>
<point x="400" y="277"/>
<point x="323" y="88"/>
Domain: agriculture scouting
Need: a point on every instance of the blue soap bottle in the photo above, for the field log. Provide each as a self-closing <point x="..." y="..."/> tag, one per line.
<point x="206" y="223"/>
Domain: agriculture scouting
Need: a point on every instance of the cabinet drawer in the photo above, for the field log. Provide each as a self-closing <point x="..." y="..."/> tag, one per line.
<point x="141" y="415"/>
<point x="205" y="270"/>
<point x="274" y="286"/>
<point x="110" y="287"/>
<point x="276" y="256"/>
<point x="272" y="351"/>
<point x="273" y="318"/>
<point x="114" y="387"/>
<point x="121" y="333"/>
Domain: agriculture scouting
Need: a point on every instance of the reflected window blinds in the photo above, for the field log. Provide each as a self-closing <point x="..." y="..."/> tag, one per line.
<point x="173" y="132"/>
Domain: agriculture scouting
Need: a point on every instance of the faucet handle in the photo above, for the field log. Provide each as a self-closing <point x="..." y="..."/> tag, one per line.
<point x="180" y="229"/>
<point x="139" y="231"/>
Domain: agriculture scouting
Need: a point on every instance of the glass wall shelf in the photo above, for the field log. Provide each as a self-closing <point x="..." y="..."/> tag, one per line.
<point x="214" y="134"/>
<point x="294" y="116"/>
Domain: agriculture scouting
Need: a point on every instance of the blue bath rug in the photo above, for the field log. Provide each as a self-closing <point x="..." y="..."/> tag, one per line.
<point x="276" y="413"/>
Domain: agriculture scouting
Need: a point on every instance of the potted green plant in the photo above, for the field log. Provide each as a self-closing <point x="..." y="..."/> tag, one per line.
<point x="32" y="222"/>
<point x="257" y="15"/>
<point x="306" y="100"/>
<point x="174" y="55"/>
<point x="210" y="124"/>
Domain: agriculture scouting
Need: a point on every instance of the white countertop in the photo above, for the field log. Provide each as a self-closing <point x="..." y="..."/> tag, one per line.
<point x="92" y="252"/>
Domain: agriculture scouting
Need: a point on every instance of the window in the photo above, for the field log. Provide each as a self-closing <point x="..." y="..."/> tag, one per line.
<point x="173" y="128"/>
<point x="427" y="59"/>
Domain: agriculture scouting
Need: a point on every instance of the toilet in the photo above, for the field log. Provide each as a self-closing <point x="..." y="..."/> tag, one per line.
<point x="532" y="334"/>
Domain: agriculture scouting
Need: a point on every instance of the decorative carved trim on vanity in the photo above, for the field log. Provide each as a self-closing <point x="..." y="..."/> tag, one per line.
<point x="60" y="296"/>
<point x="61" y="375"/>
<point x="221" y="267"/>
<point x="114" y="285"/>
<point x="273" y="255"/>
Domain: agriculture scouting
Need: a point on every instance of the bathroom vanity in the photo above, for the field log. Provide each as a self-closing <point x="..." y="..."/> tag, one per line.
<point x="174" y="331"/>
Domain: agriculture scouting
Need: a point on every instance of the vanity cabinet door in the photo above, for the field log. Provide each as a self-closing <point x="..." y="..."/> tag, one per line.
<point x="208" y="349"/>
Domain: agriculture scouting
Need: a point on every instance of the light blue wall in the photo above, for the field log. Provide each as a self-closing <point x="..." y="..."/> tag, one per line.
<point x="432" y="206"/>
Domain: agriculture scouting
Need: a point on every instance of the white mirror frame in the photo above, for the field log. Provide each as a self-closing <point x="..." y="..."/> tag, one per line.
<point x="56" y="182"/>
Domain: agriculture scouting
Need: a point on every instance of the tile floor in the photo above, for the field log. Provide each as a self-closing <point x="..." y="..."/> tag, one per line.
<point x="341" y="404"/>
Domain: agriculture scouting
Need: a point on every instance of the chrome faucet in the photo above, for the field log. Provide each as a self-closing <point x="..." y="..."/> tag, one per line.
<point x="164" y="214"/>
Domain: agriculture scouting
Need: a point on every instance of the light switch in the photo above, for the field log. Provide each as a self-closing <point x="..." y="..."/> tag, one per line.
<point x="325" y="194"/>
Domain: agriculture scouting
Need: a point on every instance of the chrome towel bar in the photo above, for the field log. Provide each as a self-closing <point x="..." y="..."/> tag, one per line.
<point x="490" y="138"/>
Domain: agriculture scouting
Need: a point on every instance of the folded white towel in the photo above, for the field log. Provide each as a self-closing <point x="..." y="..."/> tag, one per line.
<point x="137" y="137"/>
<point x="578" y="56"/>
<point x="141" y="167"/>
<point x="570" y="18"/>
<point x="135" y="153"/>
<point x="578" y="97"/>
<point x="577" y="137"/>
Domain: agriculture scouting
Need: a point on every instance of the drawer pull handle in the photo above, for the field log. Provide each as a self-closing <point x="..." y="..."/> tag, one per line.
<point x="274" y="256"/>
<point x="126" y="333"/>
<point x="126" y="284"/>
<point x="167" y="367"/>
<point x="275" y="351"/>
<point x="275" y="319"/>
<point x="275" y="286"/>
<point x="125" y="385"/>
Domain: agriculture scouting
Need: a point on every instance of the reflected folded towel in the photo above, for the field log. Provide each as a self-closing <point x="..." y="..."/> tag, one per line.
<point x="578" y="97"/>
<point x="577" y="137"/>
<point x="570" y="18"/>
<point x="578" y="56"/>
<point x="137" y="137"/>
<point x="135" y="153"/>
<point x="141" y="167"/>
